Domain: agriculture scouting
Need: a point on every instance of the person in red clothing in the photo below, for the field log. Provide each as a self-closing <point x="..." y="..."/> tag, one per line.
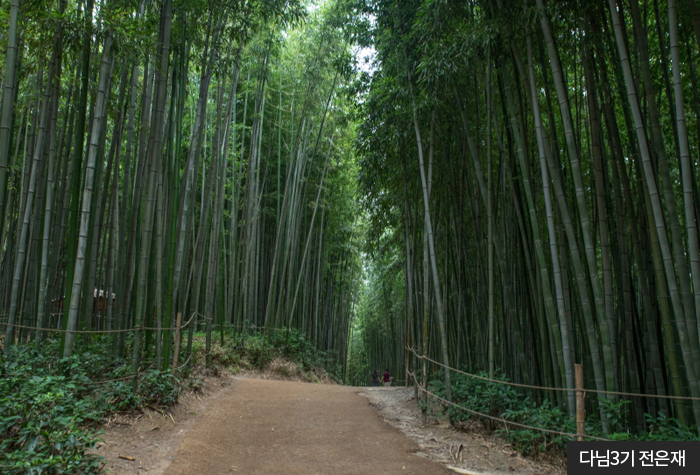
<point x="387" y="378"/>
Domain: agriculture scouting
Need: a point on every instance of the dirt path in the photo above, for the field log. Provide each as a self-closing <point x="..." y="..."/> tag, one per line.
<point x="263" y="426"/>
<point x="282" y="427"/>
<point x="474" y="450"/>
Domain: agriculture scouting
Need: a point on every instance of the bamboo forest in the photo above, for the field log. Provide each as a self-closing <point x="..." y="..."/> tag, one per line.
<point x="506" y="188"/>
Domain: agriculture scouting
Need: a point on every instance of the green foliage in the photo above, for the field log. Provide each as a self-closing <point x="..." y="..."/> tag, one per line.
<point x="49" y="406"/>
<point x="667" y="428"/>
<point x="545" y="416"/>
<point x="658" y="428"/>
<point x="478" y="395"/>
<point x="376" y="337"/>
<point x="615" y="412"/>
<point x="296" y="346"/>
<point x="41" y="425"/>
<point x="252" y="350"/>
<point x="158" y="388"/>
<point x="504" y="402"/>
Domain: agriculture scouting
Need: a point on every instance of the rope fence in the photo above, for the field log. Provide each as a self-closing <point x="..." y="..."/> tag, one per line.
<point x="125" y="330"/>
<point x="176" y="328"/>
<point x="250" y="327"/>
<point x="505" y="422"/>
<point x="119" y="330"/>
<point x="139" y="373"/>
<point x="544" y="388"/>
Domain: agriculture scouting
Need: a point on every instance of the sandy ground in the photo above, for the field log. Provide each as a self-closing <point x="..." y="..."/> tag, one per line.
<point x="472" y="451"/>
<point x="263" y="426"/>
<point x="147" y="441"/>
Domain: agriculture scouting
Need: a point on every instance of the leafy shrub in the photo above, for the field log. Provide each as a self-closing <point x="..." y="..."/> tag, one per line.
<point x="667" y="428"/>
<point x="120" y="396"/>
<point x="544" y="416"/>
<point x="296" y="345"/>
<point x="253" y="350"/>
<point x="504" y="402"/>
<point x="226" y="355"/>
<point x="43" y="425"/>
<point x="159" y="388"/>
<point x="476" y="394"/>
<point x="49" y="406"/>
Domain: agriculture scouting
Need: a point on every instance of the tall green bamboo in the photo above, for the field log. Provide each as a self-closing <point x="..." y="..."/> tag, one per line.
<point x="659" y="224"/>
<point x="100" y="107"/>
<point x="8" y="101"/>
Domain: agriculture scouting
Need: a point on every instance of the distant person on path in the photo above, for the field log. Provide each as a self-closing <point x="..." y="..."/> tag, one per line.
<point x="387" y="378"/>
<point x="375" y="378"/>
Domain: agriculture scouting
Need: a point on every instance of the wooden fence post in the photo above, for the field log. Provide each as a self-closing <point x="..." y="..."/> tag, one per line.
<point x="580" y="410"/>
<point x="176" y="354"/>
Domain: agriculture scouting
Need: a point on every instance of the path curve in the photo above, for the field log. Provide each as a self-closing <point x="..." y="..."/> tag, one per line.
<point x="281" y="427"/>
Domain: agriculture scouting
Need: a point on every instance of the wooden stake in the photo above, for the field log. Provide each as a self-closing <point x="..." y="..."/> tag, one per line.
<point x="176" y="355"/>
<point x="580" y="410"/>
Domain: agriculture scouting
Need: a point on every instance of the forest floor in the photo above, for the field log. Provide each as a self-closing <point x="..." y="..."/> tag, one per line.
<point x="254" y="424"/>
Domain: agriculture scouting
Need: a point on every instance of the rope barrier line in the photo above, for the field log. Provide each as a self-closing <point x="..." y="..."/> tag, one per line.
<point x="60" y="330"/>
<point x="660" y="396"/>
<point x="597" y="391"/>
<point x="203" y="316"/>
<point x="122" y="330"/>
<point x="484" y="378"/>
<point x="185" y="363"/>
<point x="503" y="421"/>
<point x="251" y="327"/>
<point x="174" y="328"/>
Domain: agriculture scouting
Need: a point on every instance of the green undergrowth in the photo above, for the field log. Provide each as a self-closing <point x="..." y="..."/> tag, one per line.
<point x="51" y="407"/>
<point x="290" y="353"/>
<point x="505" y="402"/>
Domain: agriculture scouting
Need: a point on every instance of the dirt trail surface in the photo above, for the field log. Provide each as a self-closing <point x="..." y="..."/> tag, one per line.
<point x="260" y="426"/>
<point x="284" y="427"/>
<point x="475" y="450"/>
